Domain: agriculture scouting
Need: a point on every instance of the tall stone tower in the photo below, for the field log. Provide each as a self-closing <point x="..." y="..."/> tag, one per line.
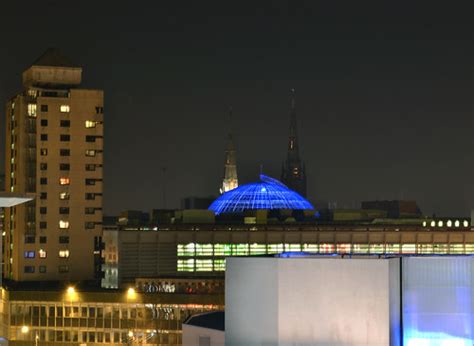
<point x="230" y="180"/>
<point x="54" y="144"/>
<point x="293" y="173"/>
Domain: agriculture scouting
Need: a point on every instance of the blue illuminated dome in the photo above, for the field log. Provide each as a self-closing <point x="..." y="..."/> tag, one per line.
<point x="268" y="193"/>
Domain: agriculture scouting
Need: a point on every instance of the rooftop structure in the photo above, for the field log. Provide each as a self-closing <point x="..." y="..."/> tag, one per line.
<point x="268" y="193"/>
<point x="230" y="180"/>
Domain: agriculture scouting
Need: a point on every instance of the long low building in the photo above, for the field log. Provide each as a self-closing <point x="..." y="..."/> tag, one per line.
<point x="73" y="316"/>
<point x="201" y="250"/>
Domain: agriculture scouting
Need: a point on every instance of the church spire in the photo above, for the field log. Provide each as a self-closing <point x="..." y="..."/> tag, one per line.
<point x="293" y="172"/>
<point x="230" y="181"/>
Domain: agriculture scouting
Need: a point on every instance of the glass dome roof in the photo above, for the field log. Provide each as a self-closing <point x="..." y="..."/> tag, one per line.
<point x="268" y="193"/>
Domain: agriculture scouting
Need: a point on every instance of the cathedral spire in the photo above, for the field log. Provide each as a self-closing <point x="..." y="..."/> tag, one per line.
<point x="230" y="181"/>
<point x="293" y="170"/>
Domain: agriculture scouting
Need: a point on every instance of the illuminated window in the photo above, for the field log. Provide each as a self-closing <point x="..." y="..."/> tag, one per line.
<point x="204" y="265"/>
<point x="440" y="223"/>
<point x="64" y="181"/>
<point x="424" y="248"/>
<point x="43" y="152"/>
<point x="64" y="108"/>
<point x="408" y="248"/>
<point x="64" y="195"/>
<point x="203" y="249"/>
<point x="275" y="248"/>
<point x="469" y="249"/>
<point x="90" y="124"/>
<point x="258" y="249"/>
<point x="29" y="254"/>
<point x="42" y="253"/>
<point x="440" y="248"/>
<point x="186" y="250"/>
<point x="90" y="152"/>
<point x="449" y="223"/>
<point x="185" y="265"/>
<point x="456" y="248"/>
<point x="343" y="248"/>
<point x="465" y="223"/>
<point x="326" y="248"/>
<point x="376" y="248"/>
<point x="456" y="223"/>
<point x="433" y="223"/>
<point x="32" y="110"/>
<point x="310" y="248"/>
<point x="219" y="265"/>
<point x="222" y="250"/>
<point x="360" y="248"/>
<point x="240" y="249"/>
<point x="293" y="247"/>
<point x="63" y="224"/>
<point x="64" y="253"/>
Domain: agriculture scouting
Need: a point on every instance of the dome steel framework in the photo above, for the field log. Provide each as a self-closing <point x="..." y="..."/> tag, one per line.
<point x="268" y="193"/>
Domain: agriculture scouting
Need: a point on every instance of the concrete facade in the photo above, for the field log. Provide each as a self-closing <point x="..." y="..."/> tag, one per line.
<point x="199" y="336"/>
<point x="276" y="301"/>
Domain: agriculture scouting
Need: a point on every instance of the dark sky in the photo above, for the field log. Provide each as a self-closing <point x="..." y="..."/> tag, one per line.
<point x="384" y="93"/>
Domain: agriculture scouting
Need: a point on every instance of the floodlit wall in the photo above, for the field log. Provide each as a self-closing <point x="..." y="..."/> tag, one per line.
<point x="307" y="301"/>
<point x="199" y="336"/>
<point x="438" y="301"/>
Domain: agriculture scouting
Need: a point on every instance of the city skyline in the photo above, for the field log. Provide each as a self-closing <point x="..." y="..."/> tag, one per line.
<point x="384" y="109"/>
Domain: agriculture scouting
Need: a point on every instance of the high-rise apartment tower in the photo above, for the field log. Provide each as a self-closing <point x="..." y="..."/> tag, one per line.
<point x="54" y="143"/>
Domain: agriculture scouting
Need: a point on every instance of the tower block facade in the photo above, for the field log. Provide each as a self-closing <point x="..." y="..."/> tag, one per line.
<point x="293" y="173"/>
<point x="54" y="146"/>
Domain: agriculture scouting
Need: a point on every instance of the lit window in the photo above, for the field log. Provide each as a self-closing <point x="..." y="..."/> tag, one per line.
<point x="64" y="181"/>
<point x="449" y="223"/>
<point x="186" y="265"/>
<point x="90" y="152"/>
<point x="90" y="124"/>
<point x="204" y="265"/>
<point x="42" y="253"/>
<point x="456" y="223"/>
<point x="29" y="254"/>
<point x="433" y="223"/>
<point x="440" y="223"/>
<point x="64" y="108"/>
<point x="64" y="195"/>
<point x="465" y="223"/>
<point x="64" y="253"/>
<point x="32" y="110"/>
<point x="63" y="224"/>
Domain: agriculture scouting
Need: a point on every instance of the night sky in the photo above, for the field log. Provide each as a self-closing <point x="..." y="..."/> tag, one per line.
<point x="384" y="93"/>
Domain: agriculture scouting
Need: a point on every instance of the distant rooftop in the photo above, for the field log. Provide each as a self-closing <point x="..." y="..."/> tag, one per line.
<point x="211" y="320"/>
<point x="54" y="58"/>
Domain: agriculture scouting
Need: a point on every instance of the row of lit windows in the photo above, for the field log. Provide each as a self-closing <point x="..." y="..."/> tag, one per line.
<point x="32" y="107"/>
<point x="67" y="152"/>
<point x="65" y="195"/>
<point x="63" y="224"/>
<point x="67" y="181"/>
<point x="65" y="210"/>
<point x="200" y="265"/>
<point x="67" y="123"/>
<point x="42" y="253"/>
<point x="192" y="249"/>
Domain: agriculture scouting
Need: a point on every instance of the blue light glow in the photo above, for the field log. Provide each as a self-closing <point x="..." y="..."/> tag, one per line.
<point x="268" y="193"/>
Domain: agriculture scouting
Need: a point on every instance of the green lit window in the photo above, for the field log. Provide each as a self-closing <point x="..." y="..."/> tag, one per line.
<point x="456" y="248"/>
<point x="186" y="265"/>
<point x="343" y="248"/>
<point x="219" y="265"/>
<point x="377" y="248"/>
<point x="292" y="247"/>
<point x="203" y="249"/>
<point x="204" y="265"/>
<point x="360" y="248"/>
<point x="222" y="250"/>
<point x="326" y="248"/>
<point x="186" y="250"/>
<point x="258" y="249"/>
<point x="275" y="248"/>
<point x="240" y="249"/>
<point x="310" y="248"/>
<point x="424" y="248"/>
<point x="408" y="248"/>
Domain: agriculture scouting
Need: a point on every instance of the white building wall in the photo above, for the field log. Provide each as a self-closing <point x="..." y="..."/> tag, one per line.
<point x="307" y="301"/>
<point x="199" y="336"/>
